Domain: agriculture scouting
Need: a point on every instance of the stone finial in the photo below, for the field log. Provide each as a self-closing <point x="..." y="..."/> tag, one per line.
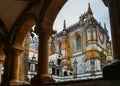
<point x="89" y="9"/>
<point x="64" y="25"/>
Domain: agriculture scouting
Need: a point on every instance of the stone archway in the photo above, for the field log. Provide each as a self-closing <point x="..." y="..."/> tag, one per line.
<point x="20" y="35"/>
<point x="50" y="15"/>
<point x="11" y="65"/>
<point x="22" y="42"/>
<point x="19" y="45"/>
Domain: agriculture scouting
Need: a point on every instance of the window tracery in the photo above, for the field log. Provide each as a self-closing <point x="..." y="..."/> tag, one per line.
<point x="78" y="43"/>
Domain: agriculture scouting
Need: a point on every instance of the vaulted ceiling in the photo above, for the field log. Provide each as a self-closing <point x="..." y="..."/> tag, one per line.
<point x="14" y="12"/>
<point x="11" y="11"/>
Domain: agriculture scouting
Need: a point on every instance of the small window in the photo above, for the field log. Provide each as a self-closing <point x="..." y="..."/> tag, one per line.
<point x="65" y="73"/>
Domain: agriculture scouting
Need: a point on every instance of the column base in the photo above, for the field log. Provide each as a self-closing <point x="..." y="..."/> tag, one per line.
<point x="112" y="71"/>
<point x="14" y="82"/>
<point x="38" y="79"/>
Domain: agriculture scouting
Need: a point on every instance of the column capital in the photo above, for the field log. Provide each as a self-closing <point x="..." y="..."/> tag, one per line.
<point x="41" y="31"/>
<point x="16" y="49"/>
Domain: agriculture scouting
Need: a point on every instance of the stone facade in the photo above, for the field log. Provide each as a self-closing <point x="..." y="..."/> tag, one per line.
<point x="79" y="49"/>
<point x="85" y="42"/>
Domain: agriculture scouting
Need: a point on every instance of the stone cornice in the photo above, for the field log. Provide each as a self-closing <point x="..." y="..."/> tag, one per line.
<point x="69" y="29"/>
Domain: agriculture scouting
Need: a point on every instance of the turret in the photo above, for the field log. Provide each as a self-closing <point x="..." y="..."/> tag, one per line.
<point x="89" y="15"/>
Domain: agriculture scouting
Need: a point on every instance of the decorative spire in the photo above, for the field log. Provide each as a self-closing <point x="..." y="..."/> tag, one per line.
<point x="104" y="26"/>
<point x="64" y="28"/>
<point x="89" y="9"/>
<point x="106" y="29"/>
<point x="64" y="25"/>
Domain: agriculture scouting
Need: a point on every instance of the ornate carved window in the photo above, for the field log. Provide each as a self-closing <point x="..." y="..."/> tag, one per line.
<point x="78" y="43"/>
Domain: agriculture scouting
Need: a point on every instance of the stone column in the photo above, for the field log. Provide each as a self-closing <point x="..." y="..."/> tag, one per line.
<point x="43" y="53"/>
<point x="15" y="59"/>
<point x="42" y="74"/>
<point x="112" y="71"/>
<point x="7" y="63"/>
<point x="114" y="10"/>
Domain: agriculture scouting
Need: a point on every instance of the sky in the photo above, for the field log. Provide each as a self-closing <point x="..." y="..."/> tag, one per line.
<point x="72" y="10"/>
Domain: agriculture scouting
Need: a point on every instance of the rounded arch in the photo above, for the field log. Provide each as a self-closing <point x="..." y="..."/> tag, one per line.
<point x="49" y="12"/>
<point x="46" y="17"/>
<point x="20" y="33"/>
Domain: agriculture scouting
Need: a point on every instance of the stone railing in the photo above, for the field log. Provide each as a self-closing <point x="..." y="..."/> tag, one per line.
<point x="84" y="76"/>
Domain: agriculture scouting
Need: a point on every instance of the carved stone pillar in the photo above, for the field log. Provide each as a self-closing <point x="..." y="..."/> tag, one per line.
<point x="15" y="59"/>
<point x="112" y="71"/>
<point x="42" y="74"/>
